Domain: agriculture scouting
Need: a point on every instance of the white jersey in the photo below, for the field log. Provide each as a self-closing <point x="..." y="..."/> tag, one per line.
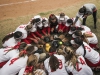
<point x="93" y="39"/>
<point x="21" y="28"/>
<point x="65" y="20"/>
<point x="77" y="24"/>
<point x="86" y="29"/>
<point x="61" y="70"/>
<point x="81" y="67"/>
<point x="13" y="67"/>
<point x="11" y="42"/>
<point x="21" y="72"/>
<point x="91" y="55"/>
<point x="9" y="55"/>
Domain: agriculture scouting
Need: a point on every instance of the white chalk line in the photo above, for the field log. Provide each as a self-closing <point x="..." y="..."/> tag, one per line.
<point x="17" y="3"/>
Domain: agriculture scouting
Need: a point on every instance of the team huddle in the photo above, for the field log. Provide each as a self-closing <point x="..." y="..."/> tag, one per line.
<point x="57" y="45"/>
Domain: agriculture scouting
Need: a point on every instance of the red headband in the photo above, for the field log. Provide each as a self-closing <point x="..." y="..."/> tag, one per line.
<point x="51" y="53"/>
<point x="16" y="46"/>
<point x="29" y="69"/>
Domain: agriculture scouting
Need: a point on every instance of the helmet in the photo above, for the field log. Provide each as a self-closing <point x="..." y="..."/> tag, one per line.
<point x="47" y="39"/>
<point x="55" y="44"/>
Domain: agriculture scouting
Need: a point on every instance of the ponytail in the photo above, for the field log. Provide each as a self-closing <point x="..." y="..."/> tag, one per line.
<point x="7" y="37"/>
<point x="54" y="63"/>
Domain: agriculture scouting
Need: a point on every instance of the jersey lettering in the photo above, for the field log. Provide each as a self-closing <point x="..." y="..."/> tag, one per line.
<point x="60" y="64"/>
<point x="87" y="48"/>
<point x="77" y="67"/>
<point x="81" y="62"/>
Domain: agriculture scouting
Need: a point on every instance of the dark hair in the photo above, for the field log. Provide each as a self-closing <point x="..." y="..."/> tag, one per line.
<point x="70" y="21"/>
<point x="7" y="37"/>
<point x="17" y="34"/>
<point x="53" y="61"/>
<point x="52" y="49"/>
<point x="62" y="14"/>
<point x="22" y="46"/>
<point x="55" y="44"/>
<point x="43" y="20"/>
<point x="82" y="10"/>
<point x="37" y="20"/>
<point x="78" y="33"/>
<point x="78" y="41"/>
<point x="72" y="28"/>
<point x="52" y="17"/>
<point x="33" y="21"/>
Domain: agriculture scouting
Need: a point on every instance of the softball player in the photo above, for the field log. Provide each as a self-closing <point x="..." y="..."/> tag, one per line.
<point x="85" y="50"/>
<point x="70" y="23"/>
<point x="31" y="63"/>
<point x="7" y="53"/>
<point x="54" y="65"/>
<point x="62" y="26"/>
<point x="90" y="37"/>
<point x="19" y="61"/>
<point x="46" y="27"/>
<point x="84" y="29"/>
<point x="12" y="39"/>
<point x="53" y="22"/>
<point x="86" y="10"/>
<point x="76" y="64"/>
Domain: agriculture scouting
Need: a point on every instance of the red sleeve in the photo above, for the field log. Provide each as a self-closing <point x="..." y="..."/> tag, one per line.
<point x="3" y="63"/>
<point x="48" y="30"/>
<point x="38" y="34"/>
<point x="63" y="27"/>
<point x="44" y="31"/>
<point x="59" y="27"/>
<point x="26" y="41"/>
<point x="32" y="34"/>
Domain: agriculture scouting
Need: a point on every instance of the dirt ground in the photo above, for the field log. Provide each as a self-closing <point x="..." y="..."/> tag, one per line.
<point x="15" y="8"/>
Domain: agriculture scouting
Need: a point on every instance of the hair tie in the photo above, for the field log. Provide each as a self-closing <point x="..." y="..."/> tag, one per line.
<point x="17" y="46"/>
<point x="29" y="69"/>
<point x="23" y="52"/>
<point x="51" y="53"/>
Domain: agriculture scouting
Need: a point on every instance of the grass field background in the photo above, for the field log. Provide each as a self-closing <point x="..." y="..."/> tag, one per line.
<point x="9" y="25"/>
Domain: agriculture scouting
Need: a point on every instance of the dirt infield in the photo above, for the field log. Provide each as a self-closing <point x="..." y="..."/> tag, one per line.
<point x="15" y="8"/>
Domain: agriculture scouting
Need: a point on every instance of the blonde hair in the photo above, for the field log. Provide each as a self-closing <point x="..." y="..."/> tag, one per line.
<point x="71" y="57"/>
<point x="32" y="60"/>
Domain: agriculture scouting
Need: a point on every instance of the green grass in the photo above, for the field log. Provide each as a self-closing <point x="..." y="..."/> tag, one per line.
<point x="9" y="25"/>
